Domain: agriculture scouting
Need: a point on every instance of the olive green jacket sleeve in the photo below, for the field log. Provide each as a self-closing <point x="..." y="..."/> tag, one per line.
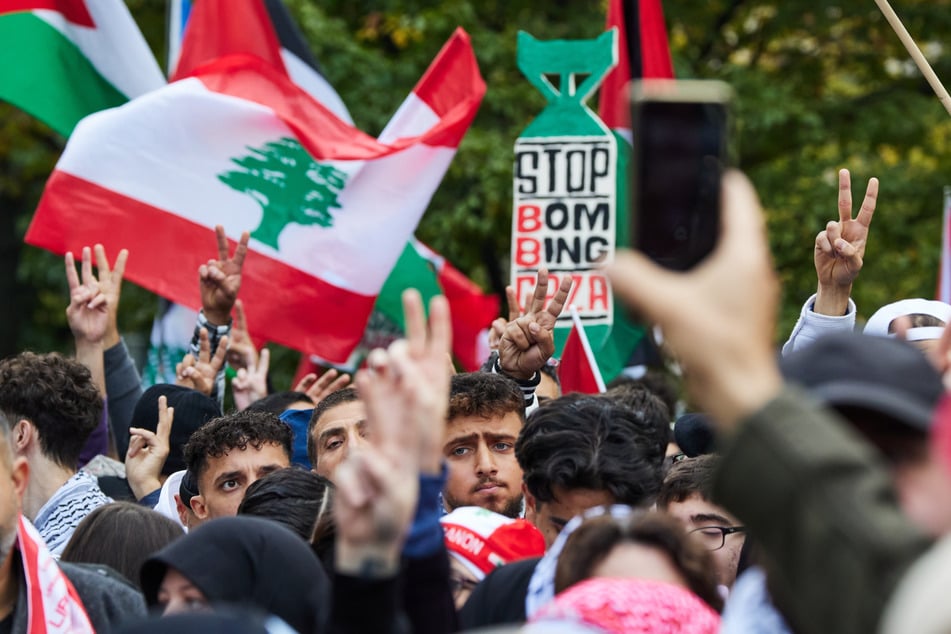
<point x="819" y="502"/>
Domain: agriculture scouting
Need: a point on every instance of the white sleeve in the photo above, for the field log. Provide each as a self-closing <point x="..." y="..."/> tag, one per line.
<point x="812" y="326"/>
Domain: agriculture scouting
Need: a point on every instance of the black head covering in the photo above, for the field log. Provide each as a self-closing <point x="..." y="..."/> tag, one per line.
<point x="251" y="562"/>
<point x="192" y="410"/>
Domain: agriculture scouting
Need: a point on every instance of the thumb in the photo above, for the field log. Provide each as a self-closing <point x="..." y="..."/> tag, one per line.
<point x="638" y="282"/>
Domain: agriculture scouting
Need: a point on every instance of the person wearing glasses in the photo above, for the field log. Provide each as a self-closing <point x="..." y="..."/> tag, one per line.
<point x="685" y="495"/>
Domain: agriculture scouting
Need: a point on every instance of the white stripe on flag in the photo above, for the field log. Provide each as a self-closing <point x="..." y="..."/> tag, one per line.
<point x="167" y="149"/>
<point x="115" y="48"/>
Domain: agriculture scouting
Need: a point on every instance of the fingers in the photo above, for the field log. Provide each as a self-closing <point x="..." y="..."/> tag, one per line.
<point x="264" y="360"/>
<point x="166" y="415"/>
<point x="72" y="278"/>
<point x="833" y="231"/>
<point x="636" y="280"/>
<point x="240" y="321"/>
<point x="218" y="361"/>
<point x="941" y="356"/>
<point x="845" y="195"/>
<point x="414" y="321"/>
<point x="516" y="333"/>
<point x="102" y="262"/>
<point x="222" y="242"/>
<point x="744" y="228"/>
<point x="440" y="326"/>
<point x="86" y="267"/>
<point x="242" y="251"/>
<point x="868" y="203"/>
<point x="540" y="293"/>
<point x="824" y="245"/>
<point x="204" y="346"/>
<point x="515" y="311"/>
<point x="306" y="382"/>
<point x="561" y="296"/>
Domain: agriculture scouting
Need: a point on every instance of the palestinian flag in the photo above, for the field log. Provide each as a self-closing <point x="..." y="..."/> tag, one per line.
<point x="643" y="52"/>
<point x="65" y="59"/>
<point x="472" y="311"/>
<point x="578" y="370"/>
<point x="236" y="142"/>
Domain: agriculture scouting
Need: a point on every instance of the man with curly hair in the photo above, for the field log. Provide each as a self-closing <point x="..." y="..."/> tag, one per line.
<point x="53" y="406"/>
<point x="228" y="454"/>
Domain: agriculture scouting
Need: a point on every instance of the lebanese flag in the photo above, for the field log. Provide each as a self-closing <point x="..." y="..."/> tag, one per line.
<point x="235" y="142"/>
<point x="578" y="370"/>
<point x="65" y="59"/>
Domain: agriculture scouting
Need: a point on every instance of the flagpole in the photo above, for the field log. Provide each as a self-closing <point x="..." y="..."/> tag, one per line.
<point x="915" y="53"/>
<point x="592" y="363"/>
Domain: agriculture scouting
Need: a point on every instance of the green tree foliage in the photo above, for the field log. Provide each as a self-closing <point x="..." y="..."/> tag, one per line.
<point x="820" y="86"/>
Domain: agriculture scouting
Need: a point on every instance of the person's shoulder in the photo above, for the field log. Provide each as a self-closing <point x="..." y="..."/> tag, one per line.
<point x="109" y="598"/>
<point x="500" y="597"/>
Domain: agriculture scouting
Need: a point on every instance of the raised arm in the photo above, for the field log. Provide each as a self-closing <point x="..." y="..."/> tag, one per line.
<point x="803" y="483"/>
<point x="840" y="248"/>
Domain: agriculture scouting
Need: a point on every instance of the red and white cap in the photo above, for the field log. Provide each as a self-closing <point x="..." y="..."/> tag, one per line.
<point x="483" y="540"/>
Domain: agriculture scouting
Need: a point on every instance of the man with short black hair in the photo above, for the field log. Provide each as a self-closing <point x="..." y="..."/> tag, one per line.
<point x="486" y="414"/>
<point x="337" y="424"/>
<point x="228" y="454"/>
<point x="53" y="406"/>
<point x="685" y="495"/>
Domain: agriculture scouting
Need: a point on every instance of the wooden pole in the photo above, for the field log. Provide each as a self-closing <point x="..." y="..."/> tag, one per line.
<point x="915" y="53"/>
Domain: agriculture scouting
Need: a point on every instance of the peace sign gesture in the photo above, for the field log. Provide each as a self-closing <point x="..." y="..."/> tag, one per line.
<point x="528" y="343"/>
<point x="221" y="279"/>
<point x="87" y="313"/>
<point x="840" y="248"/>
<point x="148" y="451"/>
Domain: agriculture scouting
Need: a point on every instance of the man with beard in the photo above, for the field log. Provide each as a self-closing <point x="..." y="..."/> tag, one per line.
<point x="69" y="597"/>
<point x="486" y="414"/>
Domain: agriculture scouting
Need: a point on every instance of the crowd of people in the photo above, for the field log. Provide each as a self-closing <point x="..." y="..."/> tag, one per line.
<point x="805" y="492"/>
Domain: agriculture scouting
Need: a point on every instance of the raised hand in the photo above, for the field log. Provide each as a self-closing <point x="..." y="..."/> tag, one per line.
<point x="319" y="388"/>
<point x="110" y="285"/>
<point x="720" y="317"/>
<point x="87" y="313"/>
<point x="840" y="248"/>
<point x="528" y="342"/>
<point x="148" y="451"/>
<point x="220" y="279"/>
<point x="251" y="383"/>
<point x="406" y="392"/>
<point x="241" y="352"/>
<point x="199" y="374"/>
<point x="497" y="329"/>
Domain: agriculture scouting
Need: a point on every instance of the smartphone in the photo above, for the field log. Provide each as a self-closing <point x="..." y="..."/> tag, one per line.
<point x="681" y="134"/>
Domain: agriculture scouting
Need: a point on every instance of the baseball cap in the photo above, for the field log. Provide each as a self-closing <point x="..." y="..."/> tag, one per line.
<point x="483" y="540"/>
<point x="883" y="375"/>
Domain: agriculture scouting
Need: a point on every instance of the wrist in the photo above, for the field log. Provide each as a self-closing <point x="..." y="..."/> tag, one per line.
<point x="532" y="379"/>
<point x="143" y="488"/>
<point x="217" y="317"/>
<point x="367" y="561"/>
<point x="832" y="300"/>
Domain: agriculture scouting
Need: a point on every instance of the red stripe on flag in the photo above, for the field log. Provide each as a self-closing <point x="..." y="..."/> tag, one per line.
<point x="655" y="58"/>
<point x="574" y="368"/>
<point x="283" y="304"/>
<point x="217" y="28"/>
<point x="74" y="11"/>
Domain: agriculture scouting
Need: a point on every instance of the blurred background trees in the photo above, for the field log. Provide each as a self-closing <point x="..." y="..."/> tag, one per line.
<point x="819" y="86"/>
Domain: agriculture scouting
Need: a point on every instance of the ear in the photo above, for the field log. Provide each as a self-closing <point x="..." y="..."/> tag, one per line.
<point x="20" y="476"/>
<point x="198" y="507"/>
<point x="23" y="434"/>
<point x="182" y="510"/>
<point x="531" y="505"/>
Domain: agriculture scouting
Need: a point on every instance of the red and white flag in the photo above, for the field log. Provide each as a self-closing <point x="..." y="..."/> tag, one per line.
<point x="578" y="370"/>
<point x="236" y="142"/>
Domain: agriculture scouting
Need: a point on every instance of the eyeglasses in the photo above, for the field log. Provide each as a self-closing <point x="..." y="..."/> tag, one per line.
<point x="714" y="537"/>
<point x="458" y="584"/>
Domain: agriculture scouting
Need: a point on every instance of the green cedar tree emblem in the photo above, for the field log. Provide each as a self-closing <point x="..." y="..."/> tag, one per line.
<point x="290" y="186"/>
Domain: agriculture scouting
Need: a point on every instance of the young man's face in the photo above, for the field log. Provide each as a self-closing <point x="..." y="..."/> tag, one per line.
<point x="483" y="471"/>
<point x="695" y="512"/>
<point x="225" y="478"/>
<point x="551" y="517"/>
<point x="338" y="430"/>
